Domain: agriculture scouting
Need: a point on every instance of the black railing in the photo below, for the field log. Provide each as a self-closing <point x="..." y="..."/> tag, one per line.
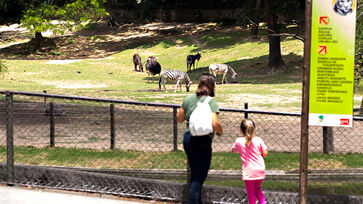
<point x="149" y="139"/>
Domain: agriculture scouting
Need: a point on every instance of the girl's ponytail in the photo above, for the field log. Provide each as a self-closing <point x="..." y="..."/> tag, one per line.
<point x="248" y="130"/>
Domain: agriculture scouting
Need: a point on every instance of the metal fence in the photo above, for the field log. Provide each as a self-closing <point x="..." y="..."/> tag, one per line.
<point x="135" y="149"/>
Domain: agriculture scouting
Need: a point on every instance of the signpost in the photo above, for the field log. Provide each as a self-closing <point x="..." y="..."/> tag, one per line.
<point x="332" y="63"/>
<point x="328" y="73"/>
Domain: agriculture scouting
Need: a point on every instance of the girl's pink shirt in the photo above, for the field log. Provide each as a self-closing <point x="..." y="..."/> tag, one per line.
<point x="253" y="164"/>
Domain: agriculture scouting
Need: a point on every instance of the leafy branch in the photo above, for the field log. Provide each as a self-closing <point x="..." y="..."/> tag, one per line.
<point x="40" y="18"/>
<point x="273" y="33"/>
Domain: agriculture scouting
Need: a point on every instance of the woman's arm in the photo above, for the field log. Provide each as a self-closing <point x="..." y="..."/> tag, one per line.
<point x="216" y="124"/>
<point x="180" y="116"/>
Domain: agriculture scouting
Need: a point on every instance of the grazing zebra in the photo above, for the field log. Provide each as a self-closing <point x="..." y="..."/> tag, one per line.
<point x="222" y="69"/>
<point x="191" y="60"/>
<point x="174" y="75"/>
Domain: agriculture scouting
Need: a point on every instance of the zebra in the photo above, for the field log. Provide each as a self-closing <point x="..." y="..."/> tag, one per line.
<point x="191" y="61"/>
<point x="222" y="69"/>
<point x="174" y="75"/>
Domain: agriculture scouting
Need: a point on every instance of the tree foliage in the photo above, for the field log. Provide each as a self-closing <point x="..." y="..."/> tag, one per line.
<point x="40" y="17"/>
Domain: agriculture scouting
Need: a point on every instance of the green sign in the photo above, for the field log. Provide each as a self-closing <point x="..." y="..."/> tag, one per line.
<point x="332" y="62"/>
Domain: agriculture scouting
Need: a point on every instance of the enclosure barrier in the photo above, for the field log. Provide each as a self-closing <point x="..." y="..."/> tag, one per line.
<point x="135" y="149"/>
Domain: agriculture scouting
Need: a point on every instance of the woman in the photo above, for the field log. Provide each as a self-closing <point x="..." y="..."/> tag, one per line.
<point x="199" y="148"/>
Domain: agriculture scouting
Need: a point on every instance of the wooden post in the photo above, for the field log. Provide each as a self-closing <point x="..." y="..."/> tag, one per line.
<point x="328" y="140"/>
<point x="112" y="125"/>
<point x="303" y="174"/>
<point x="246" y="113"/>
<point x="9" y="139"/>
<point x="51" y="119"/>
<point x="175" y="130"/>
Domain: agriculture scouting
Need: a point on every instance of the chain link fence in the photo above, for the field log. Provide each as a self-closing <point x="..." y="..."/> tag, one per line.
<point x="135" y="149"/>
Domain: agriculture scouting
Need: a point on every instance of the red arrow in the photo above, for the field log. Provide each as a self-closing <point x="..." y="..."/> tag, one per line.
<point x="322" y="49"/>
<point x="323" y="20"/>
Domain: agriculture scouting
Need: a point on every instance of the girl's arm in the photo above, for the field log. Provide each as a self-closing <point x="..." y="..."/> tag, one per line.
<point x="216" y="124"/>
<point x="235" y="147"/>
<point x="180" y="116"/>
<point x="264" y="153"/>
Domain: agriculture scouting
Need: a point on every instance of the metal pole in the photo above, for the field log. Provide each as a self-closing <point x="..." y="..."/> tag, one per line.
<point x="175" y="129"/>
<point x="112" y="125"/>
<point x="9" y="139"/>
<point x="246" y="107"/>
<point x="303" y="174"/>
<point x="51" y="119"/>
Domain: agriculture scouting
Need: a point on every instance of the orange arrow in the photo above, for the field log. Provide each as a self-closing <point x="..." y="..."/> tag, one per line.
<point x="323" y="20"/>
<point x="322" y="49"/>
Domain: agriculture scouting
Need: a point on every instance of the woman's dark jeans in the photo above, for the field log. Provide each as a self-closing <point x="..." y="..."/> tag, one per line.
<point x="199" y="153"/>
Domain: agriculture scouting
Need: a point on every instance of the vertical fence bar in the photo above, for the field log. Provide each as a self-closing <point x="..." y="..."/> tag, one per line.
<point x="112" y="125"/>
<point x="175" y="129"/>
<point x="51" y="121"/>
<point x="328" y="140"/>
<point x="246" y="107"/>
<point x="9" y="139"/>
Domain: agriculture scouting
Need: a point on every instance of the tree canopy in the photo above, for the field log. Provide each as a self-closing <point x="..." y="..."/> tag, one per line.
<point x="40" y="17"/>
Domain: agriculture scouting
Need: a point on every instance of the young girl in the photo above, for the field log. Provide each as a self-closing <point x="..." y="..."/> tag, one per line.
<point x="252" y="150"/>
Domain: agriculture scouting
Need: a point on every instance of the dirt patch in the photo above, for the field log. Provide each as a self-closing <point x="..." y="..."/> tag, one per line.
<point x="324" y="164"/>
<point x="67" y="85"/>
<point x="100" y="42"/>
<point x="235" y="82"/>
<point x="62" y="61"/>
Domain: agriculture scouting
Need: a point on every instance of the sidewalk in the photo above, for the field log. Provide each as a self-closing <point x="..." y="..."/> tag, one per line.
<point x="21" y="195"/>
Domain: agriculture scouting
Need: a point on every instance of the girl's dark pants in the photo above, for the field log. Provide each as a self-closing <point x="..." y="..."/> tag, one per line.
<point x="199" y="153"/>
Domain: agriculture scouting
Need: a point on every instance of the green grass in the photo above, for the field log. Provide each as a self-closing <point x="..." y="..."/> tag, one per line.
<point x="171" y="160"/>
<point x="114" y="77"/>
<point x="117" y="159"/>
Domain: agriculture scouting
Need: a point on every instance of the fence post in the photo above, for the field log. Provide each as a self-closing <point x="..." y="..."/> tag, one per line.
<point x="51" y="119"/>
<point x="112" y="125"/>
<point x="175" y="129"/>
<point x="9" y="139"/>
<point x="246" y="107"/>
<point x="328" y="140"/>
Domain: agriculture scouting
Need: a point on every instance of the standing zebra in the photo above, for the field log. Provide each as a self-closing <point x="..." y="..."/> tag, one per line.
<point x="174" y="75"/>
<point x="191" y="61"/>
<point x="222" y="69"/>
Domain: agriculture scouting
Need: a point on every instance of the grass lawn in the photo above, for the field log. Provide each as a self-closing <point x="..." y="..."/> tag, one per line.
<point x="177" y="160"/>
<point x="116" y="159"/>
<point x="113" y="76"/>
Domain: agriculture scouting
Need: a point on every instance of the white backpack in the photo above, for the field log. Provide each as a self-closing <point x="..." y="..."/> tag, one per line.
<point x="200" y="121"/>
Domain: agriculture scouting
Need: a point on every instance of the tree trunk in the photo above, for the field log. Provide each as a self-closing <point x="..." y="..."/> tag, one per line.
<point x="256" y="19"/>
<point x="274" y="56"/>
<point x="38" y="40"/>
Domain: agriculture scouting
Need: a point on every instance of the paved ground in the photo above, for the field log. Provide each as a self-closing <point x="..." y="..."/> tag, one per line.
<point x="20" y="195"/>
